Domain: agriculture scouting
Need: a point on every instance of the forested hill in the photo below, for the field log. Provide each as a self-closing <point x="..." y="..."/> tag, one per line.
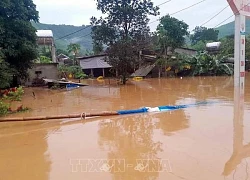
<point x="82" y="37"/>
<point x="228" y="29"/>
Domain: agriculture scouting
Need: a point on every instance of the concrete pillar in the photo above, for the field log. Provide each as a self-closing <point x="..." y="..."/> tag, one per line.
<point x="53" y="53"/>
<point x="239" y="51"/>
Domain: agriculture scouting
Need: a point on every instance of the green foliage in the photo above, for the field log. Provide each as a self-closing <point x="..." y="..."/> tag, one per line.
<point x="204" y="64"/>
<point x="17" y="35"/>
<point x="4" y="107"/>
<point x="61" y="51"/>
<point x="14" y="94"/>
<point x="199" y="46"/>
<point x="74" y="48"/>
<point x="44" y="59"/>
<point x="76" y="71"/>
<point x="227" y="46"/>
<point x="97" y="48"/>
<point x="124" y="30"/>
<point x="5" y="73"/>
<point x="204" y="34"/>
<point x="171" y="33"/>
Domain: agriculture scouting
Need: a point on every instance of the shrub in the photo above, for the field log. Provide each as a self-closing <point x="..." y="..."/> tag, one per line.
<point x="4" y="108"/>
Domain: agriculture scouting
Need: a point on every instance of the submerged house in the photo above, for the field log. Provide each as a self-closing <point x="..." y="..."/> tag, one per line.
<point x="45" y="41"/>
<point x="150" y="69"/>
<point x="95" y="66"/>
<point x="63" y="59"/>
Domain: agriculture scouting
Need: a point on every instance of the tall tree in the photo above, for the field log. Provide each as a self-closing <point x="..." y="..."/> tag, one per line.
<point x="17" y="35"/>
<point x="171" y="33"/>
<point x="122" y="30"/>
<point x="204" y="34"/>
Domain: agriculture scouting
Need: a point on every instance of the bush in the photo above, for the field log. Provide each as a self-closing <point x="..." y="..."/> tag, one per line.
<point x="13" y="94"/>
<point x="44" y="59"/>
<point x="76" y="71"/>
<point x="4" y="108"/>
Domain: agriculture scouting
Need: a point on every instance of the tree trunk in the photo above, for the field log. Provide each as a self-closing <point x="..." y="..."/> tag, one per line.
<point x="159" y="72"/>
<point x="123" y="79"/>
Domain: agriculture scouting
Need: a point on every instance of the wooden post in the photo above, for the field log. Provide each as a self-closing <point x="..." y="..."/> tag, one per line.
<point x="92" y="73"/>
<point x="116" y="72"/>
<point x="103" y="72"/>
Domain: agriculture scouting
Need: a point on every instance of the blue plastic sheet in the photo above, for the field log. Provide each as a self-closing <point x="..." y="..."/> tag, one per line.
<point x="142" y="110"/>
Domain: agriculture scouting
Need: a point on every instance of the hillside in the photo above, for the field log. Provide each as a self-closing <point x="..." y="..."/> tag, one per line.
<point x="228" y="29"/>
<point x="82" y="37"/>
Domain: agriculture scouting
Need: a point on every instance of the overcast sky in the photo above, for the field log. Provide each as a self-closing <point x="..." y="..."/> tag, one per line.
<point x="78" y="12"/>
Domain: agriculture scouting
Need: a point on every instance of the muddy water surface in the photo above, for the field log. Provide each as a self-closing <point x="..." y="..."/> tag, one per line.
<point x="198" y="143"/>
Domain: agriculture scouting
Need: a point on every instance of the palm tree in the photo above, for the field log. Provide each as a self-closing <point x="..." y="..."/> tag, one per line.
<point x="74" y="49"/>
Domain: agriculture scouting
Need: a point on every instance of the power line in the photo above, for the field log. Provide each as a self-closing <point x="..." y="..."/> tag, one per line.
<point x="223" y="21"/>
<point x="90" y="26"/>
<point x="215" y="15"/>
<point x="73" y="32"/>
<point x="231" y="16"/>
<point x="164" y="3"/>
<point x="180" y="10"/>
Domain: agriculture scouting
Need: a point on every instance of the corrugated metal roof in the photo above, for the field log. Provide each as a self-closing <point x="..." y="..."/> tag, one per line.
<point x="143" y="71"/>
<point x="44" y="33"/>
<point x="94" y="63"/>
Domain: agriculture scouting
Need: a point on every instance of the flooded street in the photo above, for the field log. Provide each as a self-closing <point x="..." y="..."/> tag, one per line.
<point x="210" y="142"/>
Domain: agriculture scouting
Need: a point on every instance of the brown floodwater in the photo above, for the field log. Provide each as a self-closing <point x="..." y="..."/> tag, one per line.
<point x="210" y="142"/>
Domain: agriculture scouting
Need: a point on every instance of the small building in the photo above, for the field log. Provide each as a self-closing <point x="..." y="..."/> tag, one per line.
<point x="40" y="71"/>
<point x="95" y="66"/>
<point x="45" y="39"/>
<point x="62" y="59"/>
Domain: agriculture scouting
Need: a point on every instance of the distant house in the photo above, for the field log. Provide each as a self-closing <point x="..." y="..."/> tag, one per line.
<point x="95" y="66"/>
<point x="62" y="59"/>
<point x="45" y="38"/>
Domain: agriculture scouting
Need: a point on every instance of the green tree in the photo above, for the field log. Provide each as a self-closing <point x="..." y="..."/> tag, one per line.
<point x="97" y="48"/>
<point x="122" y="30"/>
<point x="227" y="46"/>
<point x="199" y="46"/>
<point x="171" y="33"/>
<point x="17" y="35"/>
<point x="74" y="49"/>
<point x="204" y="34"/>
<point x="5" y="73"/>
<point x="61" y="51"/>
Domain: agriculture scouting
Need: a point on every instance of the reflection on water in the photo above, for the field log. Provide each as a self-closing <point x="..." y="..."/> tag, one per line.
<point x="131" y="139"/>
<point x="241" y="152"/>
<point x="206" y="142"/>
